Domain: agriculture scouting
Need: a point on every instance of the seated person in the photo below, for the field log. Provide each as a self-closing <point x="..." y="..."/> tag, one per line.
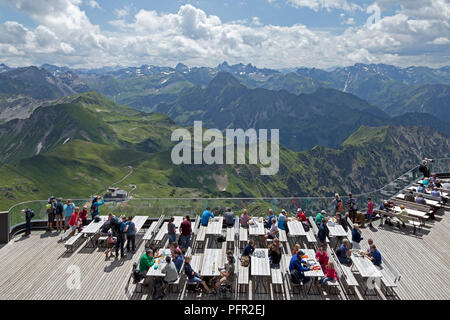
<point x="319" y="217"/>
<point x="386" y="206"/>
<point x="341" y="221"/>
<point x="193" y="276"/>
<point x="421" y="188"/>
<point x="146" y="262"/>
<point x="206" y="215"/>
<point x="282" y="221"/>
<point x="297" y="267"/>
<point x="410" y="196"/>
<point x="175" y="248"/>
<point x="374" y="255"/>
<point x="226" y="273"/>
<point x="435" y="192"/>
<point x="178" y="260"/>
<point x="273" y="232"/>
<point x="244" y="219"/>
<point x="403" y="217"/>
<point x="343" y="253"/>
<point x="356" y="237"/>
<point x="296" y="249"/>
<point x="426" y="182"/>
<point x="249" y="249"/>
<point x="322" y="257"/>
<point x="268" y="221"/>
<point x="420" y="199"/>
<point x="275" y="254"/>
<point x="438" y="183"/>
<point x="301" y="215"/>
<point x="229" y="218"/>
<point x="170" y="271"/>
<point x="329" y="273"/>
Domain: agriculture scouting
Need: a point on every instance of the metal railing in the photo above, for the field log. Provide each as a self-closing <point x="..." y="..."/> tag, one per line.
<point x="155" y="207"/>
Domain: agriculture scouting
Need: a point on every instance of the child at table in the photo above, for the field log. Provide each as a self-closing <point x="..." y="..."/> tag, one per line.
<point x="110" y="241"/>
<point x="329" y="272"/>
<point x="322" y="257"/>
<point x="296" y="248"/>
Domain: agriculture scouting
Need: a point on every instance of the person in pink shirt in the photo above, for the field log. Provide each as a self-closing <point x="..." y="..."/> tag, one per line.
<point x="329" y="272"/>
<point x="369" y="211"/>
<point x="244" y="219"/>
<point x="322" y="257"/>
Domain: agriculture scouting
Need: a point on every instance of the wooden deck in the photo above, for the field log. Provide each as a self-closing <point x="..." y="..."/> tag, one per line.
<point x="38" y="267"/>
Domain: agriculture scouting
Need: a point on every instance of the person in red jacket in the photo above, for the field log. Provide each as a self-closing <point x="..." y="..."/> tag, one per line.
<point x="329" y="272"/>
<point x="322" y="257"/>
<point x="83" y="215"/>
<point x="74" y="223"/>
<point x="301" y="215"/>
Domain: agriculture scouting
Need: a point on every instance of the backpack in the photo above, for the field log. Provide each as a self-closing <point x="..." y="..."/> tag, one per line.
<point x="338" y="252"/>
<point x="245" y="261"/>
<point x="305" y="226"/>
<point x="225" y="292"/>
<point x="221" y="239"/>
<point x="339" y="205"/>
<point x="136" y="274"/>
<point x="115" y="224"/>
<point x="158" y="289"/>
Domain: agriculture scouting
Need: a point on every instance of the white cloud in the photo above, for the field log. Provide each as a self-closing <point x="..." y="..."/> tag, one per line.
<point x="66" y="36"/>
<point x="93" y="4"/>
<point x="328" y="5"/>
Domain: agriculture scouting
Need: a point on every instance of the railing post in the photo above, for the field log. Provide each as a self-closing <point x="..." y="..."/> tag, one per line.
<point x="4" y="227"/>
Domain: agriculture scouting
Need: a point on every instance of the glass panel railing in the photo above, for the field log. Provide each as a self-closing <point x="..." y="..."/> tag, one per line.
<point x="155" y="207"/>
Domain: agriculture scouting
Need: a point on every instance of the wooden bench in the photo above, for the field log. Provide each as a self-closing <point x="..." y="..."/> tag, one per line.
<point x="161" y="233"/>
<point x="69" y="244"/>
<point x="149" y="233"/>
<point x="200" y="238"/>
<point x="286" y="260"/>
<point x="412" y="221"/>
<point x="390" y="277"/>
<point x="230" y="237"/>
<point x="242" y="272"/>
<point x="344" y="272"/>
<point x="243" y="236"/>
<point x="282" y="235"/>
<point x="277" y="279"/>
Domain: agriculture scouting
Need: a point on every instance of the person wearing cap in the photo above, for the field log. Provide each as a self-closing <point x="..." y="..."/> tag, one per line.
<point x="59" y="212"/>
<point x="403" y="216"/>
<point x="356" y="237"/>
<point x="282" y="221"/>
<point x="301" y="215"/>
<point x="319" y="217"/>
<point x="297" y="268"/>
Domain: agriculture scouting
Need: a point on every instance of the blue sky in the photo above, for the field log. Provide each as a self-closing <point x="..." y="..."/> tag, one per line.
<point x="271" y="33"/>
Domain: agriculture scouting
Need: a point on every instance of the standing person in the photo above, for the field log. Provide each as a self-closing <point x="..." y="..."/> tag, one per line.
<point x="72" y="224"/>
<point x="29" y="214"/>
<point x="172" y="230"/>
<point x="205" y="216"/>
<point x="338" y="204"/>
<point x="185" y="233"/>
<point x="131" y="234"/>
<point x="244" y="219"/>
<point x="97" y="201"/>
<point x="229" y="218"/>
<point x="69" y="208"/>
<point x="110" y="241"/>
<point x="120" y="241"/>
<point x="424" y="169"/>
<point x="356" y="237"/>
<point x="352" y="207"/>
<point x="59" y="212"/>
<point x="369" y="214"/>
<point x="51" y="210"/>
<point x="83" y="215"/>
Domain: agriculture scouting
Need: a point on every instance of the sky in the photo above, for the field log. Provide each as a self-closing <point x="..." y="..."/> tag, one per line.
<point x="266" y="33"/>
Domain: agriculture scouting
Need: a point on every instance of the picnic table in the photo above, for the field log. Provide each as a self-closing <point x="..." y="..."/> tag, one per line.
<point x="311" y="260"/>
<point x="160" y="263"/>
<point x="139" y="222"/>
<point x="296" y="228"/>
<point x="412" y="212"/>
<point x="212" y="261"/>
<point x="257" y="227"/>
<point x="93" y="228"/>
<point x="364" y="266"/>
<point x="215" y="226"/>
<point x="336" y="230"/>
<point x="177" y="221"/>
<point x="430" y="202"/>
<point x="260" y="267"/>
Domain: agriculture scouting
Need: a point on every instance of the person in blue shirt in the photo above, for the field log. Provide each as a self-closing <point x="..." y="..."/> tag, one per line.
<point x="120" y="241"/>
<point x="343" y="252"/>
<point x="69" y="208"/>
<point x="421" y="188"/>
<point x="96" y="202"/>
<point x="297" y="268"/>
<point x="249" y="248"/>
<point x="205" y="216"/>
<point x="268" y="221"/>
<point x="374" y="255"/>
<point x="282" y="220"/>
<point x="356" y="237"/>
<point x="178" y="260"/>
<point x="435" y="193"/>
<point x="130" y="230"/>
